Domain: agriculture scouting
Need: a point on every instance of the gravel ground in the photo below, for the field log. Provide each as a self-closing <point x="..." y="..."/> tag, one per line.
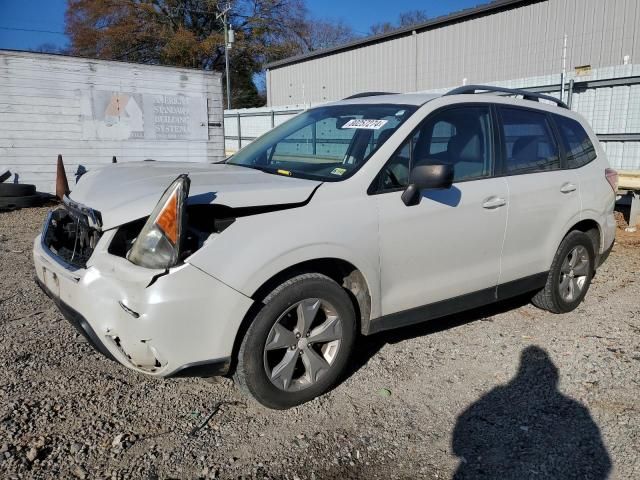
<point x="507" y="391"/>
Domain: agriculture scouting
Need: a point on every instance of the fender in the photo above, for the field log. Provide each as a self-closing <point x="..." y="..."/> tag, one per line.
<point x="256" y="248"/>
<point x="575" y="220"/>
<point x="316" y="252"/>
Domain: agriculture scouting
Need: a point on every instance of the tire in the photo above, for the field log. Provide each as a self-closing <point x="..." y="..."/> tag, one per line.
<point x="554" y="297"/>
<point x="257" y="366"/>
<point x="11" y="203"/>
<point x="16" y="189"/>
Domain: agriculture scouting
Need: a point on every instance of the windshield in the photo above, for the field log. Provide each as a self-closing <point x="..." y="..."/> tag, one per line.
<point x="326" y="143"/>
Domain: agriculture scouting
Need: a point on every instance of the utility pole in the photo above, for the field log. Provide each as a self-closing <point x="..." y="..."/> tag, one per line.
<point x="229" y="39"/>
<point x="563" y="76"/>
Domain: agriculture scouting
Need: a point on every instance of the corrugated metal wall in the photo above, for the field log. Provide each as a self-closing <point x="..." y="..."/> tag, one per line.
<point x="611" y="110"/>
<point x="520" y="42"/>
<point x="50" y="105"/>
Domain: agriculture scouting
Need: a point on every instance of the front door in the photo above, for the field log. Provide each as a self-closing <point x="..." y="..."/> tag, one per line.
<point x="450" y="243"/>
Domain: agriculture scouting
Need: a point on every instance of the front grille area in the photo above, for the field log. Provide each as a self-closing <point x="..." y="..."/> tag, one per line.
<point x="69" y="236"/>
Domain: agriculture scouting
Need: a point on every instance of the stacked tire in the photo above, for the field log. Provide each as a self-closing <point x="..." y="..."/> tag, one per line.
<point x="19" y="195"/>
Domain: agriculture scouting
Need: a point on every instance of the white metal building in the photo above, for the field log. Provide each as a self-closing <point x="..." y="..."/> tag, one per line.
<point x="92" y="110"/>
<point x="497" y="41"/>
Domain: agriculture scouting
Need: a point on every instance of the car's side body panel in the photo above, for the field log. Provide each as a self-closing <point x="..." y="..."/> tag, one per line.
<point x="458" y="304"/>
<point x="597" y="197"/>
<point x="446" y="246"/>
<point x="333" y="225"/>
<point x="538" y="211"/>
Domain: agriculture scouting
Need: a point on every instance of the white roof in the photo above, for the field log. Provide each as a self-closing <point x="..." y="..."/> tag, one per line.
<point x="393" y="98"/>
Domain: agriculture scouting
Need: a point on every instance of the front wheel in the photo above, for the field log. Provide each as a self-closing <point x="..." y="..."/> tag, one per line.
<point x="570" y="274"/>
<point x="299" y="342"/>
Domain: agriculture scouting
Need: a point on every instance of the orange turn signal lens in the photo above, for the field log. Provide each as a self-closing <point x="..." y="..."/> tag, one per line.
<point x="167" y="219"/>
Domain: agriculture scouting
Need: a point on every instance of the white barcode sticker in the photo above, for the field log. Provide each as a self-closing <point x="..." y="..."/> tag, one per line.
<point x="365" y="124"/>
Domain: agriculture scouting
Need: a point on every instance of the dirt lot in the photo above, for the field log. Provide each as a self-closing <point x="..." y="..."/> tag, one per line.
<point x="503" y="392"/>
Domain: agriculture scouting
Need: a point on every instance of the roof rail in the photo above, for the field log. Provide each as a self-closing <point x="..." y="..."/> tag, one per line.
<point x="536" y="97"/>
<point x="368" y="94"/>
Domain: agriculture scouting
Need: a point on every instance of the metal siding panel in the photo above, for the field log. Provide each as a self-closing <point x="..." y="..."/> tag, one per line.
<point x="601" y="110"/>
<point x="633" y="117"/>
<point x="611" y="33"/>
<point x="630" y="27"/>
<point x="601" y="39"/>
<point x="574" y="28"/>
<point x="623" y="155"/>
<point x="618" y="109"/>
<point x="635" y="53"/>
<point x="631" y="156"/>
<point x="521" y="42"/>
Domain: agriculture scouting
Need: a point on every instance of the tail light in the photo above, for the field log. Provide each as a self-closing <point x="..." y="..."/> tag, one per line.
<point x="612" y="178"/>
<point x="158" y="244"/>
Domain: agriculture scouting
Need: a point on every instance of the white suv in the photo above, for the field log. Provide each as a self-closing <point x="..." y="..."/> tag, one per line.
<point x="375" y="212"/>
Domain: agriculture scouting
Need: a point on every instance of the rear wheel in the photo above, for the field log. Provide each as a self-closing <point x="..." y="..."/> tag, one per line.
<point x="299" y="343"/>
<point x="570" y="275"/>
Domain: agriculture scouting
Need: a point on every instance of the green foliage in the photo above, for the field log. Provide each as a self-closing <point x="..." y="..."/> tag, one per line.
<point x="187" y="33"/>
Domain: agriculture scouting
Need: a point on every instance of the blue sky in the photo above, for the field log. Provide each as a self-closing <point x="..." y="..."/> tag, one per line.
<point x="31" y="15"/>
<point x="362" y="14"/>
<point x="47" y="16"/>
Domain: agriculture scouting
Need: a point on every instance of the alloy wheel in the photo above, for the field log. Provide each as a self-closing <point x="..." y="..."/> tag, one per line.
<point x="573" y="273"/>
<point x="302" y="344"/>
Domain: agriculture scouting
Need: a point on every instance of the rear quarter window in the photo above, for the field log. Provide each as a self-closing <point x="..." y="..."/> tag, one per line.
<point x="577" y="144"/>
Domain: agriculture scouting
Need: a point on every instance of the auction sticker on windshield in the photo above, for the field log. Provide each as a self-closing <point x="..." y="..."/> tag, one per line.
<point x="365" y="124"/>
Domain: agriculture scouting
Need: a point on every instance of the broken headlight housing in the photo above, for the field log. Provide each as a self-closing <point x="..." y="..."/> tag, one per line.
<point x="158" y="244"/>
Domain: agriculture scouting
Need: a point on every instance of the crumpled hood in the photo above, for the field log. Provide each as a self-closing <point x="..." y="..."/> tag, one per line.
<point x="125" y="192"/>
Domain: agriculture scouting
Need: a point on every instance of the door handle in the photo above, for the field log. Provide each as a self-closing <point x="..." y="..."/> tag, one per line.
<point x="494" y="202"/>
<point x="568" y="188"/>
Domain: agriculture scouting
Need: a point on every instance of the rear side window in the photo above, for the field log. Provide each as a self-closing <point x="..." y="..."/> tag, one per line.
<point x="529" y="143"/>
<point x="579" y="148"/>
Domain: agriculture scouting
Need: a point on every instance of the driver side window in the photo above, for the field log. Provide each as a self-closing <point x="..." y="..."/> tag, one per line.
<point x="395" y="174"/>
<point x="460" y="136"/>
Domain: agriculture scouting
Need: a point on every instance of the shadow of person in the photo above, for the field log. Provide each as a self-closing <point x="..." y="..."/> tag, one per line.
<point x="528" y="429"/>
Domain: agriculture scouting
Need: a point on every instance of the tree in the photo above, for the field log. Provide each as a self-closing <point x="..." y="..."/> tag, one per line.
<point x="382" y="27"/>
<point x="406" y="19"/>
<point x="412" y="17"/>
<point x="186" y="33"/>
<point x="321" y="34"/>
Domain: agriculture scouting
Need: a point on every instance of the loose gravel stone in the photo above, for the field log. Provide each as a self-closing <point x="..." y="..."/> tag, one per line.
<point x="32" y="454"/>
<point x="540" y="395"/>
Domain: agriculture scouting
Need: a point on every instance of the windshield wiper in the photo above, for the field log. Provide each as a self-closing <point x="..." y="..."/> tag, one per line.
<point x="256" y="167"/>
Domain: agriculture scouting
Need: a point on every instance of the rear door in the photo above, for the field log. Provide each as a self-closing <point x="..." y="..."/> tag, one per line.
<point x="544" y="196"/>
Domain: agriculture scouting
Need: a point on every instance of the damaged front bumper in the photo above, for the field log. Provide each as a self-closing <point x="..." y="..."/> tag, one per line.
<point x="177" y="323"/>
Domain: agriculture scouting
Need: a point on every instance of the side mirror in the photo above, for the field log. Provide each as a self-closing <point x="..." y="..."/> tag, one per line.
<point x="425" y="176"/>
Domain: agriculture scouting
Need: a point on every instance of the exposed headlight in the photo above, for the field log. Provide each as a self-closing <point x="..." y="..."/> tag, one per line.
<point x="158" y="244"/>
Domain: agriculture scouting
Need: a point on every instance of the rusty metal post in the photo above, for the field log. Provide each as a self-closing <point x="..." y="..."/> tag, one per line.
<point x="239" y="131"/>
<point x="62" y="185"/>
